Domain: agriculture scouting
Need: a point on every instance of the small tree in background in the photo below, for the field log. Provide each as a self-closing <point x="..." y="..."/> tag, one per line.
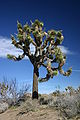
<point x="46" y="52"/>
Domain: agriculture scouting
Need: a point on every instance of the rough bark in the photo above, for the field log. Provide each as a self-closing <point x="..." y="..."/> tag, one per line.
<point x="35" y="83"/>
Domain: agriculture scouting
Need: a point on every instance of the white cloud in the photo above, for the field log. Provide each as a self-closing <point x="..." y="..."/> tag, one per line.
<point x="7" y="48"/>
<point x="65" y="50"/>
<point x="32" y="48"/>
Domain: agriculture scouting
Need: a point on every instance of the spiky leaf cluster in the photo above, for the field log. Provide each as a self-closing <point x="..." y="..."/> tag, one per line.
<point x="46" y="51"/>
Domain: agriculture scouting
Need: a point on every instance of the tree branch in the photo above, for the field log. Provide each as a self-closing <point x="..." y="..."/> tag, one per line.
<point x="20" y="57"/>
<point x="16" y="44"/>
<point x="44" y="79"/>
<point x="33" y="42"/>
<point x="65" y="73"/>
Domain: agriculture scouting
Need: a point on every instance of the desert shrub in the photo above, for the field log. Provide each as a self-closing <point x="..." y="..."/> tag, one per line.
<point x="45" y="100"/>
<point x="69" y="105"/>
<point x="23" y="90"/>
<point x="3" y="107"/>
<point x="22" y="94"/>
<point x="41" y="101"/>
<point x="39" y="95"/>
<point x="10" y="93"/>
<point x="70" y="90"/>
<point x="56" y="93"/>
<point x="3" y="90"/>
<point x="77" y="90"/>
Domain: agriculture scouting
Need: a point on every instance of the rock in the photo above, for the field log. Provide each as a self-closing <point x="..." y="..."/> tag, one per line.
<point x="3" y="107"/>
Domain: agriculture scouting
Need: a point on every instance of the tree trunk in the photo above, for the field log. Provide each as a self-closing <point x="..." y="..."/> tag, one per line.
<point x="35" y="83"/>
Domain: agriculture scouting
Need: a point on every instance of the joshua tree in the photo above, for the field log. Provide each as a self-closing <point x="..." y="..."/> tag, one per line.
<point x="47" y="51"/>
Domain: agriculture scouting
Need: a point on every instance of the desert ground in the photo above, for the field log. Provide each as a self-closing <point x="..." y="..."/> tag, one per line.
<point x="47" y="107"/>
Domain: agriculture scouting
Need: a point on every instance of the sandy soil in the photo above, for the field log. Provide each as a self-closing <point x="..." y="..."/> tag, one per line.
<point x="41" y="114"/>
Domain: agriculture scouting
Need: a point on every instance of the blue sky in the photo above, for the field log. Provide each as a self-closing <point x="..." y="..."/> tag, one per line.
<point x="56" y="14"/>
